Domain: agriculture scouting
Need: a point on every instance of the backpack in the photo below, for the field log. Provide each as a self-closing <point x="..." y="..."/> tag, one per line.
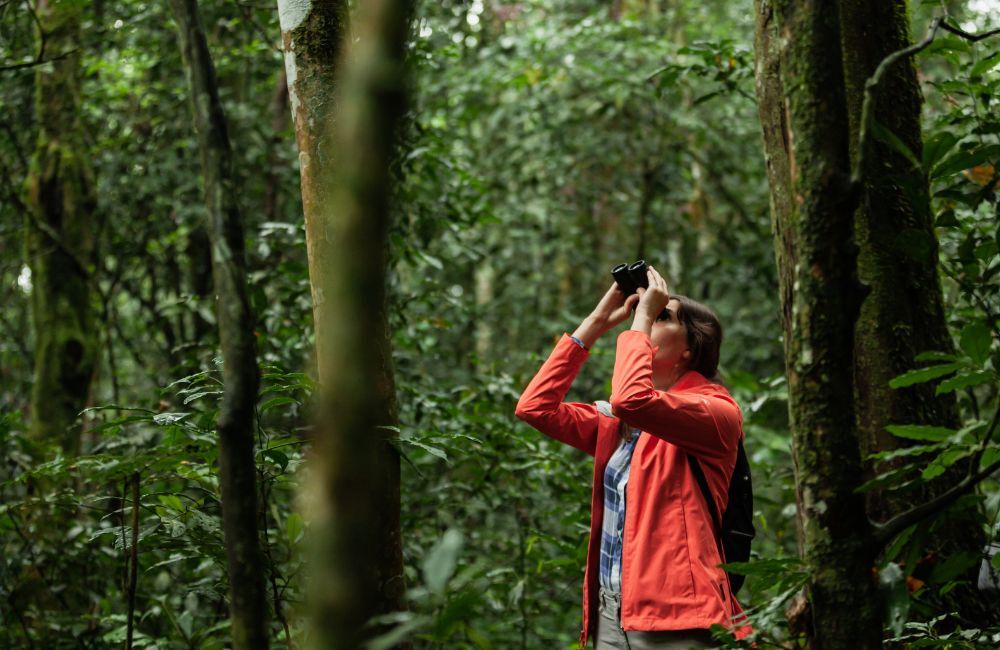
<point x="736" y="523"/>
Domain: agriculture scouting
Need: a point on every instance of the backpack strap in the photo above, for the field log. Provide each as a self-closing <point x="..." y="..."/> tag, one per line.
<point x="699" y="476"/>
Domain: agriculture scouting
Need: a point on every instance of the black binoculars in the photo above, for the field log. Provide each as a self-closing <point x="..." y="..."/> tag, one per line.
<point x="632" y="276"/>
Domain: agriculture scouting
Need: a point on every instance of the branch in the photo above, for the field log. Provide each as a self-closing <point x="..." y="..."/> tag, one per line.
<point x="885" y="532"/>
<point x="966" y="35"/>
<point x="36" y="62"/>
<point x="887" y="62"/>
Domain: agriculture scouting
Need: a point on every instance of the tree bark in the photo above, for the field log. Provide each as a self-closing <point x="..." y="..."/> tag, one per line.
<point x="904" y="314"/>
<point x="59" y="242"/>
<point x="347" y="110"/>
<point x="803" y="112"/>
<point x="237" y="470"/>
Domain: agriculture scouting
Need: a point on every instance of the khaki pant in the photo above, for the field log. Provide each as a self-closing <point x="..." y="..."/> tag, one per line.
<point x="610" y="635"/>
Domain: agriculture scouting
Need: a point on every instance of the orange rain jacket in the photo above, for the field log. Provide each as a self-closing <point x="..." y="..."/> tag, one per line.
<point x="670" y="578"/>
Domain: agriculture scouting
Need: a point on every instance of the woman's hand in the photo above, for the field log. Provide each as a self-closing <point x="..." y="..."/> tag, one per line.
<point x="611" y="311"/>
<point x="652" y="301"/>
<point x="614" y="307"/>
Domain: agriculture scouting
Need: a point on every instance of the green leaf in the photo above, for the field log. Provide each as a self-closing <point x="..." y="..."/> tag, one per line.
<point x="933" y="471"/>
<point x="764" y="568"/>
<point x="984" y="64"/>
<point x="281" y="400"/>
<point x="975" y="341"/>
<point x="990" y="456"/>
<point x="897" y="545"/>
<point x="934" y="355"/>
<point x="434" y="451"/>
<point x="920" y="432"/>
<point x="962" y="160"/>
<point x="953" y="567"/>
<point x="293" y="527"/>
<point x="888" y="137"/>
<point x="439" y="565"/>
<point x="278" y="457"/>
<point x="964" y="380"/>
<point x="200" y="394"/>
<point x="936" y="147"/>
<point x="915" y="450"/>
<point x="169" y="418"/>
<point x="921" y="375"/>
<point x="946" y="219"/>
<point x="944" y="461"/>
<point x="172" y="502"/>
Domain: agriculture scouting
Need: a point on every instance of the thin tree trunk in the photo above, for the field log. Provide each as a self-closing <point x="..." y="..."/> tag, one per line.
<point x="237" y="470"/>
<point x="312" y="35"/>
<point x="805" y="126"/>
<point x="346" y="145"/>
<point x="59" y="241"/>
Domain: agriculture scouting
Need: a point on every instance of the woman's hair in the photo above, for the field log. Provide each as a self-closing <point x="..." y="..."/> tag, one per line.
<point x="704" y="336"/>
<point x="704" y="339"/>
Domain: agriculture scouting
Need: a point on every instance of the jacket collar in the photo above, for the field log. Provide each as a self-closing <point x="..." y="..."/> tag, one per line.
<point x="689" y="379"/>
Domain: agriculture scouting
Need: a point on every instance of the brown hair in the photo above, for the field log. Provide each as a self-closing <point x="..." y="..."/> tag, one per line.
<point x="704" y="339"/>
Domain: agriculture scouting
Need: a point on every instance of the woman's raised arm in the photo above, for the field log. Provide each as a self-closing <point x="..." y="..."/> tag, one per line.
<point x="541" y="405"/>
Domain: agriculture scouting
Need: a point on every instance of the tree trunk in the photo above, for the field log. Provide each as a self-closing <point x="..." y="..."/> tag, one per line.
<point x="805" y="126"/>
<point x="904" y="314"/>
<point x="346" y="110"/>
<point x="237" y="470"/>
<point x="312" y="35"/>
<point x="59" y="242"/>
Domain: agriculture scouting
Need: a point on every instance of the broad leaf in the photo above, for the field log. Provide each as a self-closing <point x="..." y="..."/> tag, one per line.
<point x="921" y="375"/>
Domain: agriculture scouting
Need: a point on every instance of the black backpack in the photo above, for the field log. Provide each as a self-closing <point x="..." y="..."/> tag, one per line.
<point x="736" y="524"/>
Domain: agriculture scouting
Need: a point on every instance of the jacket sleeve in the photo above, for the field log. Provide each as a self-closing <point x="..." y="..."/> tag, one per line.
<point x="707" y="424"/>
<point x="541" y="403"/>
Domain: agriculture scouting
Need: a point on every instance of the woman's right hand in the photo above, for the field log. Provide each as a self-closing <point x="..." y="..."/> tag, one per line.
<point x="614" y="308"/>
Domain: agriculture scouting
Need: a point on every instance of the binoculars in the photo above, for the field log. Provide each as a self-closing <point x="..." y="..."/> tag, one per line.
<point x="630" y="277"/>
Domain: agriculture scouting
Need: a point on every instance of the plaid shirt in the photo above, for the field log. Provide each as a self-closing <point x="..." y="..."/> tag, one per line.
<point x="615" y="480"/>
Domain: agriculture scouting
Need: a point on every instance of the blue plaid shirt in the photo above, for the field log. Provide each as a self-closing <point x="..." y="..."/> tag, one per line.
<point x="613" y="528"/>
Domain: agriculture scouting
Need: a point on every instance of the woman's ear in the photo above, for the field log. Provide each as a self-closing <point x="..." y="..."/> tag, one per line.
<point x="686" y="354"/>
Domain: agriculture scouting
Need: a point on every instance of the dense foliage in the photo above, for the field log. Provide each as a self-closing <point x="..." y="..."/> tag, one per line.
<point x="546" y="143"/>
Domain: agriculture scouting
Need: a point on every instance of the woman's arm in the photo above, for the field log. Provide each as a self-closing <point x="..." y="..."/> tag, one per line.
<point x="706" y="421"/>
<point x="541" y="405"/>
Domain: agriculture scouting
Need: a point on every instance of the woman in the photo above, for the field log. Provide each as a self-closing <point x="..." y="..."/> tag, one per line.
<point x="652" y="578"/>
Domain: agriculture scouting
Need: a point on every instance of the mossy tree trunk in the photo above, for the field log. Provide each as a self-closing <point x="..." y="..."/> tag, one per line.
<point x="803" y="112"/>
<point x="347" y="108"/>
<point x="237" y="469"/>
<point x="59" y="242"/>
<point x="904" y="314"/>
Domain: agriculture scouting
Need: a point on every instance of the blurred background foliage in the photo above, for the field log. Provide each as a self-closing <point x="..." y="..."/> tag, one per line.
<point x="546" y="142"/>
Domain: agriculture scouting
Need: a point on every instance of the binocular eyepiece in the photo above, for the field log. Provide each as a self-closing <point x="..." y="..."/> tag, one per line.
<point x="631" y="276"/>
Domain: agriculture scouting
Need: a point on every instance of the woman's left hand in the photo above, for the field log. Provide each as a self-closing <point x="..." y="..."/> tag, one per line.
<point x="653" y="299"/>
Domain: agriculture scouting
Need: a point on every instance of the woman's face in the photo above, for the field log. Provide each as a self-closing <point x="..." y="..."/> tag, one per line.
<point x="670" y="336"/>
